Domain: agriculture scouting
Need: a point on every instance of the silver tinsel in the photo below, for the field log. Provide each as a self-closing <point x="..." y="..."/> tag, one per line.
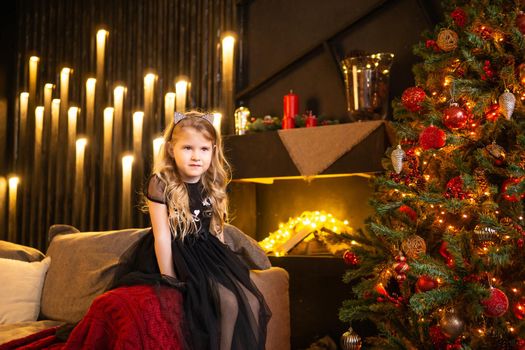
<point x="507" y="102"/>
<point x="397" y="157"/>
<point x="350" y="340"/>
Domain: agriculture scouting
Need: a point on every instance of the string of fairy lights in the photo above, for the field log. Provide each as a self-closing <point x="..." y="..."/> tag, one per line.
<point x="306" y="226"/>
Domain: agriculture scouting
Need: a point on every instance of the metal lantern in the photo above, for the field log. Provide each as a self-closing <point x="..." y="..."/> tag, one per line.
<point x="350" y="340"/>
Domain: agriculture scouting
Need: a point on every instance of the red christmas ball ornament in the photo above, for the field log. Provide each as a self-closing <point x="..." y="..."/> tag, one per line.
<point x="515" y="197"/>
<point x="425" y="283"/>
<point x="520" y="242"/>
<point x="350" y="258"/>
<point x="380" y="289"/>
<point x="459" y="16"/>
<point x="438" y="338"/>
<point x="454" y="189"/>
<point x="520" y="344"/>
<point x="412" y="98"/>
<point x="518" y="309"/>
<point x="443" y="251"/>
<point x="432" y="44"/>
<point x="520" y="22"/>
<point x="411" y="213"/>
<point x="401" y="267"/>
<point x="489" y="73"/>
<point x="496" y="304"/>
<point x="454" y="117"/>
<point x="492" y="112"/>
<point x="401" y="277"/>
<point x="432" y="137"/>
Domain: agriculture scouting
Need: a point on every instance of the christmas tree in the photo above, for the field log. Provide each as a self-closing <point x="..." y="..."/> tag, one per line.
<point x="441" y="262"/>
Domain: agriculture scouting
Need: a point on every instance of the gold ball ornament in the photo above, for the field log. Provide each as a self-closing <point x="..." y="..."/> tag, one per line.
<point x="413" y="246"/>
<point x="451" y="325"/>
<point x="350" y="340"/>
<point x="397" y="157"/>
<point x="507" y="102"/>
<point x="447" y="40"/>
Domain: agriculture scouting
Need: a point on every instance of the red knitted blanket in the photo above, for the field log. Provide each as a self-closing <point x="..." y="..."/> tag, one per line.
<point x="124" y="318"/>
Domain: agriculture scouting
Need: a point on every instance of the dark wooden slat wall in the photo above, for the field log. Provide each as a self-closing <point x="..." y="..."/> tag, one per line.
<point x="171" y="38"/>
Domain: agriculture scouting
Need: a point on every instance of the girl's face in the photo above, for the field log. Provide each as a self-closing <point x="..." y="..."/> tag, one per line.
<point x="192" y="153"/>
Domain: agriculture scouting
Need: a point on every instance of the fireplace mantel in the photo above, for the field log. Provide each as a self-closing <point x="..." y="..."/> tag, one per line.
<point x="264" y="156"/>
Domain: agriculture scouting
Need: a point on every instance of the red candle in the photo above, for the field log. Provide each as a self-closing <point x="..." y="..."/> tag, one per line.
<point x="288" y="123"/>
<point x="311" y="120"/>
<point x="291" y="105"/>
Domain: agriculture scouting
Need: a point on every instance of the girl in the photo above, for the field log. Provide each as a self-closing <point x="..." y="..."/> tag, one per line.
<point x="188" y="207"/>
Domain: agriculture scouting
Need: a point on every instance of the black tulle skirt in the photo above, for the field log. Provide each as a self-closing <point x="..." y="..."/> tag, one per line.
<point x="201" y="262"/>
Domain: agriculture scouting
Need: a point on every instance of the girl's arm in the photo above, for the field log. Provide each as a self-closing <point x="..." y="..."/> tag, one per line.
<point x="161" y="231"/>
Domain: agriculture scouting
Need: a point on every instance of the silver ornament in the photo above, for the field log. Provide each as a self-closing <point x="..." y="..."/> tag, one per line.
<point x="507" y="102"/>
<point x="350" y="340"/>
<point x="451" y="325"/>
<point x="485" y="234"/>
<point x="397" y="157"/>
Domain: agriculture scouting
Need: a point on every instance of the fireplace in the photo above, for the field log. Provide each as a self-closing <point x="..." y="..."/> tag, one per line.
<point x="275" y="175"/>
<point x="271" y="186"/>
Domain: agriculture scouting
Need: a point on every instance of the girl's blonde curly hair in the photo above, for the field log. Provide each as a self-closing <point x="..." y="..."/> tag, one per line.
<point x="214" y="180"/>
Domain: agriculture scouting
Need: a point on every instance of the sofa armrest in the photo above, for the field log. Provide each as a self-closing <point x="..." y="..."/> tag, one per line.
<point x="273" y="284"/>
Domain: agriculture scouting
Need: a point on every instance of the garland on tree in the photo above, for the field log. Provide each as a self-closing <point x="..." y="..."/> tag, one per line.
<point x="442" y="262"/>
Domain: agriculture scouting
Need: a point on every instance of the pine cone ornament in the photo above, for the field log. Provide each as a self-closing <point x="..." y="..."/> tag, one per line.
<point x="397" y="157"/>
<point x="507" y="102"/>
<point x="481" y="180"/>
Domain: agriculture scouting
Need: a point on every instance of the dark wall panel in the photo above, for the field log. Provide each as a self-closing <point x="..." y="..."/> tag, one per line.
<point x="279" y="32"/>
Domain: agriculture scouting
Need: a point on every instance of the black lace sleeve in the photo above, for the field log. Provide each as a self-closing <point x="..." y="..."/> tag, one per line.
<point x="154" y="191"/>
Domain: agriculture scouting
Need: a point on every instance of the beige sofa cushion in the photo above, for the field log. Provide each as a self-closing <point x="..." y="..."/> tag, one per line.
<point x="273" y="284"/>
<point x="22" y="287"/>
<point x="10" y="332"/>
<point x="14" y="251"/>
<point x="83" y="266"/>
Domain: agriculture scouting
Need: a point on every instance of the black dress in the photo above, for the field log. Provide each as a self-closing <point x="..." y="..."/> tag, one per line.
<point x="202" y="263"/>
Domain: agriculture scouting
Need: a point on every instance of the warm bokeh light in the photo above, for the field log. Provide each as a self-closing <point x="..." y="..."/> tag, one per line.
<point x="301" y="228"/>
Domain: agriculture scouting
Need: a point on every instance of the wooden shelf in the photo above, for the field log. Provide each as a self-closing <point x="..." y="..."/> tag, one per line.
<point x="263" y="155"/>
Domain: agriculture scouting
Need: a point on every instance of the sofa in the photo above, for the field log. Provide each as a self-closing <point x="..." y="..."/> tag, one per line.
<point x="68" y="284"/>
